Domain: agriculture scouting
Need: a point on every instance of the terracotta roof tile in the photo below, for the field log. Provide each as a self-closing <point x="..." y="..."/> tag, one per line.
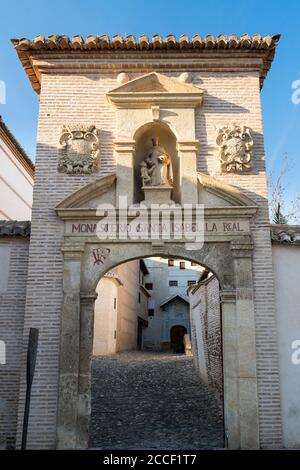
<point x="222" y="41"/>
<point x="14" y="228"/>
<point x="289" y="234"/>
<point x="55" y="43"/>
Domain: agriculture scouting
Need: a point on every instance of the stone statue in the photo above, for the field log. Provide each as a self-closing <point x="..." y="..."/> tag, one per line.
<point x="235" y="148"/>
<point x="156" y="168"/>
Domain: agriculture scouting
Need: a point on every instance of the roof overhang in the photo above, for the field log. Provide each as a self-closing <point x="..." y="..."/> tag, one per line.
<point x="222" y="53"/>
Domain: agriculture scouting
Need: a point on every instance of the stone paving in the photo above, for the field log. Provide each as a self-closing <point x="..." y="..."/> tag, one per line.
<point x="145" y="400"/>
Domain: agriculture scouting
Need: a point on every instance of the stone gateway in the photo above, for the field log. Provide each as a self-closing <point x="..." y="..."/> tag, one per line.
<point x="102" y="102"/>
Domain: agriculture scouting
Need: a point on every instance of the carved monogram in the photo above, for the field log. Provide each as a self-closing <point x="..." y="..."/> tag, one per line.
<point x="236" y="146"/>
<point x="79" y="151"/>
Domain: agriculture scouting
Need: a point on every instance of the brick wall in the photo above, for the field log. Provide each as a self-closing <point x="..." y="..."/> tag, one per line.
<point x="12" y="307"/>
<point x="207" y="341"/>
<point x="229" y="97"/>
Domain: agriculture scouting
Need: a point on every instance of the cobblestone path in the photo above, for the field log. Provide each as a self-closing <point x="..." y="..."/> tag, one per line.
<point x="145" y="400"/>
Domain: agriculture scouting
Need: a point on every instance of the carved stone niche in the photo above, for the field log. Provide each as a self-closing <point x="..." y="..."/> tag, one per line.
<point x="79" y="149"/>
<point x="235" y="148"/>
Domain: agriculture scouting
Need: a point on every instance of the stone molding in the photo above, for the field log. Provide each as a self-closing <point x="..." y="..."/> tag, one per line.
<point x="228" y="296"/>
<point x="124" y="146"/>
<point x="188" y="145"/>
<point x="242" y="248"/>
<point x="155" y="90"/>
<point x="88" y="297"/>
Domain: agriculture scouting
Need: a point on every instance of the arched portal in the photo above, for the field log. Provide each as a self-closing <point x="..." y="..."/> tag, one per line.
<point x="226" y="252"/>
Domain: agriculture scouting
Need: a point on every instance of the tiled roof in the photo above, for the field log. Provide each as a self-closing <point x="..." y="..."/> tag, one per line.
<point x="222" y="41"/>
<point x="13" y="228"/>
<point x="27" y="48"/>
<point x="15" y="147"/>
<point x="289" y="234"/>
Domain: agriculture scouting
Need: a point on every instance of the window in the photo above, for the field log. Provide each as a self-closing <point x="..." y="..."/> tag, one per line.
<point x="182" y="265"/>
<point x="139" y="297"/>
<point x="151" y="312"/>
<point x="170" y="262"/>
<point x="115" y="303"/>
<point x="149" y="285"/>
<point x="191" y="282"/>
<point x="173" y="283"/>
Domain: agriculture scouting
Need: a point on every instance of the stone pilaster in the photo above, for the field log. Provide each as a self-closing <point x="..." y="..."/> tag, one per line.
<point x="69" y="349"/>
<point x="187" y="152"/>
<point x="230" y="367"/>
<point x="124" y="152"/>
<point x="84" y="386"/>
<point x="246" y="352"/>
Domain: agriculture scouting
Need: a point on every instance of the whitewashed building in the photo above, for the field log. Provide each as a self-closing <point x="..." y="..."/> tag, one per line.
<point x="16" y="178"/>
<point x="169" y="319"/>
<point x="121" y="309"/>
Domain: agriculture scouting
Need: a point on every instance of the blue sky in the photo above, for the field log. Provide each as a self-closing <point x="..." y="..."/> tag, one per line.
<point x="33" y="17"/>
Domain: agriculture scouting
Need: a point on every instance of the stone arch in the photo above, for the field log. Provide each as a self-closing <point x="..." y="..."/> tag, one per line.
<point x="215" y="257"/>
<point x="229" y="260"/>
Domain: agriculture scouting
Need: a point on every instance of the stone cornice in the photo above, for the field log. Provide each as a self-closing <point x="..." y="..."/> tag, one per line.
<point x="82" y="213"/>
<point x="147" y="100"/>
<point x="187" y="145"/>
<point x="76" y="51"/>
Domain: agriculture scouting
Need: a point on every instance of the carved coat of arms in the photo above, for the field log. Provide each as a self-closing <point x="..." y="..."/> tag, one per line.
<point x="79" y="149"/>
<point x="236" y="146"/>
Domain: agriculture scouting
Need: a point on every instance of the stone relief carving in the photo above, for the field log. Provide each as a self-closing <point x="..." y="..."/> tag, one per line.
<point x="79" y="151"/>
<point x="156" y="169"/>
<point x="236" y="145"/>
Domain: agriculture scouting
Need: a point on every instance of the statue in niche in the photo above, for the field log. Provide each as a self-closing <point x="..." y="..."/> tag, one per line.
<point x="156" y="169"/>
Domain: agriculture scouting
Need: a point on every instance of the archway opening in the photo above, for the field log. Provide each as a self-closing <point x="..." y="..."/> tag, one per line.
<point x="156" y="355"/>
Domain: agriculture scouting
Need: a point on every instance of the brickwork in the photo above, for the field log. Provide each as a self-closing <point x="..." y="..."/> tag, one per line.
<point x="12" y="308"/>
<point x="205" y="305"/>
<point x="230" y="96"/>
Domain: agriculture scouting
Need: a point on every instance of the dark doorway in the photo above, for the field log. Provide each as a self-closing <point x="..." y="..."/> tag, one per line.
<point x="177" y="333"/>
<point x="142" y="323"/>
